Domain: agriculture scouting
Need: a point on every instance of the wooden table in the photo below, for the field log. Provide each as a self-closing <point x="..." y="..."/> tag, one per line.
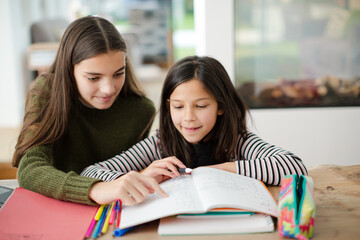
<point x="337" y="199"/>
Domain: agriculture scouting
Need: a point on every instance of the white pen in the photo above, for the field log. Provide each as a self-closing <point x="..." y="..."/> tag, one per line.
<point x="184" y="170"/>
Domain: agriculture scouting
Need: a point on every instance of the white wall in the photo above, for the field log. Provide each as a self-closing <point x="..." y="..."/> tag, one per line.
<point x="10" y="90"/>
<point x="317" y="135"/>
<point x="212" y="37"/>
<point x="16" y="17"/>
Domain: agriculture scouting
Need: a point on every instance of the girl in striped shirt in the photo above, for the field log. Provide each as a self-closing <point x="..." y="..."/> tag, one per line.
<point x="202" y="123"/>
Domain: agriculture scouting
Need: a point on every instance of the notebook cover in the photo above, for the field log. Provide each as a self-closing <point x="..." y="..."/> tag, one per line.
<point x="29" y="215"/>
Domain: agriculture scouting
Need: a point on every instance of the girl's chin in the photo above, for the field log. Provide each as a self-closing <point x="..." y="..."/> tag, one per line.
<point x="100" y="105"/>
<point x="192" y="140"/>
<point x="103" y="106"/>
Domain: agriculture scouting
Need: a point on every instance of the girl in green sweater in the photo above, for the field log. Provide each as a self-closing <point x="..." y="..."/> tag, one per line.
<point x="84" y="109"/>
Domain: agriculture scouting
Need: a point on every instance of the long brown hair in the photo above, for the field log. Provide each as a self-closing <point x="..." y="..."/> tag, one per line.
<point x="229" y="125"/>
<point x="45" y="122"/>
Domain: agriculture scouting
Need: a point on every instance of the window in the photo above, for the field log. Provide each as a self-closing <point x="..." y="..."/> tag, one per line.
<point x="298" y="53"/>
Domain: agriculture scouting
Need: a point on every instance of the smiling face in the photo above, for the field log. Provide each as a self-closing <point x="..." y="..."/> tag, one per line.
<point x="193" y="110"/>
<point x="100" y="79"/>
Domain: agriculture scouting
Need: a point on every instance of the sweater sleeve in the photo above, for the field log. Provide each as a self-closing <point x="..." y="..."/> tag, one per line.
<point x="136" y="158"/>
<point x="35" y="173"/>
<point x="257" y="159"/>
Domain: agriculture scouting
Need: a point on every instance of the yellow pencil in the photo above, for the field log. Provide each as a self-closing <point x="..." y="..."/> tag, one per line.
<point x="99" y="212"/>
<point x="106" y="224"/>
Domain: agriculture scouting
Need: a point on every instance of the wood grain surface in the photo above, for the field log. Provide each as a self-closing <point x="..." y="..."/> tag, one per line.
<point x="337" y="199"/>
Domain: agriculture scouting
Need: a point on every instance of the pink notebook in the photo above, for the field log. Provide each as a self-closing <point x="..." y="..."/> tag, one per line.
<point x="29" y="215"/>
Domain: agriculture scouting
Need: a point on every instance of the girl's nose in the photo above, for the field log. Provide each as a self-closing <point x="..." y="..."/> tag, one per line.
<point x="107" y="86"/>
<point x="189" y="114"/>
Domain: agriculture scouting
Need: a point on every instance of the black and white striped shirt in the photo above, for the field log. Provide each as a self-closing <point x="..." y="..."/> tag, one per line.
<point x="253" y="158"/>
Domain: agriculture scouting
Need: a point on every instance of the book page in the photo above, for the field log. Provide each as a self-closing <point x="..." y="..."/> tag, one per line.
<point x="218" y="188"/>
<point x="182" y="198"/>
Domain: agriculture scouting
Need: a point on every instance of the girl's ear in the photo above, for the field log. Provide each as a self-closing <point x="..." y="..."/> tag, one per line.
<point x="220" y="112"/>
<point x="168" y="103"/>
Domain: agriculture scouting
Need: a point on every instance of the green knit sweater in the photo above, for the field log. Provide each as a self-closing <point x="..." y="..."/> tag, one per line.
<point x="92" y="135"/>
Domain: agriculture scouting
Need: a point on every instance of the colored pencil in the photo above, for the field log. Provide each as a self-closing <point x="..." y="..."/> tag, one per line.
<point x="119" y="232"/>
<point x="98" y="224"/>
<point x="99" y="212"/>
<point x="90" y="229"/>
<point x="92" y="224"/>
<point x="113" y="213"/>
<point x="119" y="214"/>
<point x="106" y="222"/>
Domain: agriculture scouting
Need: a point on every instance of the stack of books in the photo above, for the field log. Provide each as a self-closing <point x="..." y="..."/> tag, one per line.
<point x="216" y="222"/>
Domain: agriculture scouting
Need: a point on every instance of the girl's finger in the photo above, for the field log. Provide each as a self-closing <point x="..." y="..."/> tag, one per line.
<point x="173" y="169"/>
<point x="140" y="191"/>
<point x="128" y="192"/>
<point x="163" y="170"/>
<point x="168" y="165"/>
<point x="177" y="162"/>
<point x="166" y="172"/>
<point x="171" y="163"/>
<point x="172" y="160"/>
<point x="127" y="199"/>
<point x="151" y="183"/>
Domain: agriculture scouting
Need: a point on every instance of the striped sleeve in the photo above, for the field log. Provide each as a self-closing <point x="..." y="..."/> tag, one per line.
<point x="268" y="163"/>
<point x="136" y="158"/>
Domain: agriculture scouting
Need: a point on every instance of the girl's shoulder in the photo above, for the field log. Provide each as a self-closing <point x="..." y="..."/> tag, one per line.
<point x="154" y="137"/>
<point x="248" y="135"/>
<point x="39" y="91"/>
<point x="41" y="83"/>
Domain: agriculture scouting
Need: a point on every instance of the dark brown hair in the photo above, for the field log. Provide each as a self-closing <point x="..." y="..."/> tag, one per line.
<point x="229" y="125"/>
<point x="46" y="121"/>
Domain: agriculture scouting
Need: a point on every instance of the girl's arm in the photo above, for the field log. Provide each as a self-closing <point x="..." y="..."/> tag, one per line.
<point x="35" y="173"/>
<point x="257" y="159"/>
<point x="131" y="189"/>
<point x="136" y="158"/>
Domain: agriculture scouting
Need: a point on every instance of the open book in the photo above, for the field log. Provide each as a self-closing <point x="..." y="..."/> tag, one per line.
<point x="206" y="188"/>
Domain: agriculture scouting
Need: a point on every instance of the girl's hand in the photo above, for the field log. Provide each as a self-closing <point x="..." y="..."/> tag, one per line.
<point x="164" y="169"/>
<point x="131" y="188"/>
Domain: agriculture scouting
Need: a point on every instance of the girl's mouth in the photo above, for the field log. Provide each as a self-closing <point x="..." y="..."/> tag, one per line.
<point x="191" y="129"/>
<point x="105" y="99"/>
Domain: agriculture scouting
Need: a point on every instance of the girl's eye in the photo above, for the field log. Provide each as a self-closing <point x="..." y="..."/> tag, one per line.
<point x="93" y="78"/>
<point x="119" y="74"/>
<point x="177" y="107"/>
<point x="202" y="106"/>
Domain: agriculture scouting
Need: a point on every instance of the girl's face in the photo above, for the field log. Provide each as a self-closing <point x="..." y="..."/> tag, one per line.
<point x="193" y="110"/>
<point x="100" y="79"/>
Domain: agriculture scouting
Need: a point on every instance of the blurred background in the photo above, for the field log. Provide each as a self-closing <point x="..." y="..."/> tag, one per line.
<point x="295" y="62"/>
